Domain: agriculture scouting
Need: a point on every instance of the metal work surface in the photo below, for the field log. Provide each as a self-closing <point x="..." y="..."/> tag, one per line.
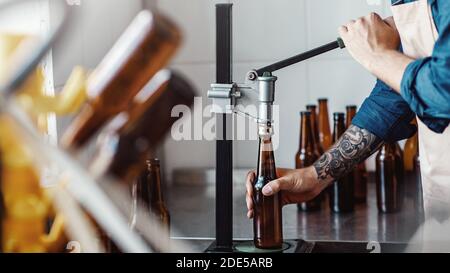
<point x="192" y="214"/>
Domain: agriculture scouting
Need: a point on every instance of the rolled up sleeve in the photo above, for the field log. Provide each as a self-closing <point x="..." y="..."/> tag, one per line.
<point x="386" y="114"/>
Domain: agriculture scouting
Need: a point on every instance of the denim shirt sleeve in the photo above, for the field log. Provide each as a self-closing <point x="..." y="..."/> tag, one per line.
<point x="426" y="82"/>
<point x="386" y="114"/>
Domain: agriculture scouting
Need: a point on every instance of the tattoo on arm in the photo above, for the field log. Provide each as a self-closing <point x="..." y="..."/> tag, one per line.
<point x="355" y="145"/>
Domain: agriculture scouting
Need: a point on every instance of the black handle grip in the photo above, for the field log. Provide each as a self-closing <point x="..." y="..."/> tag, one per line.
<point x="339" y="43"/>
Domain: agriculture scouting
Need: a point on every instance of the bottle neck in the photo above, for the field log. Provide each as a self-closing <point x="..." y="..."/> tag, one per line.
<point x="154" y="178"/>
<point x="351" y="113"/>
<point x="266" y="159"/>
<point x="314" y="126"/>
<point x="389" y="148"/>
<point x="323" y="109"/>
<point x="339" y="128"/>
<point x="306" y="140"/>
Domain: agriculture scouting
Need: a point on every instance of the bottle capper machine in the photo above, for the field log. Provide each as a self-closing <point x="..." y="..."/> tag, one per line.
<point x="258" y="89"/>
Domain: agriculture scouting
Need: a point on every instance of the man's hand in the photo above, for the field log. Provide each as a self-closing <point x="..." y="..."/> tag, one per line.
<point x="374" y="44"/>
<point x="296" y="186"/>
<point x="370" y="37"/>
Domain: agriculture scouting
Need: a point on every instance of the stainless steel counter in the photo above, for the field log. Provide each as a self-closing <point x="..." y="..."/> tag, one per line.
<point x="193" y="216"/>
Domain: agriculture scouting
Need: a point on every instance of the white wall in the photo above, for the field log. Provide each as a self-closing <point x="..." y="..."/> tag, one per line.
<point x="266" y="31"/>
<point x="96" y="26"/>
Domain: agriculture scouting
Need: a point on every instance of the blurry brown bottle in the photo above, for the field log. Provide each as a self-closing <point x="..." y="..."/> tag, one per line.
<point x="410" y="151"/>
<point x="306" y="156"/>
<point x="324" y="125"/>
<point x="389" y="179"/>
<point x="315" y="128"/>
<point x="360" y="174"/>
<point x="144" y="49"/>
<point x="157" y="205"/>
<point x="132" y="135"/>
<point x="418" y="196"/>
<point x="2" y="206"/>
<point x="267" y="218"/>
<point x="342" y="191"/>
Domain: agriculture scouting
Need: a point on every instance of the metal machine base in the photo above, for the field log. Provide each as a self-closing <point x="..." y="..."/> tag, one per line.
<point x="289" y="246"/>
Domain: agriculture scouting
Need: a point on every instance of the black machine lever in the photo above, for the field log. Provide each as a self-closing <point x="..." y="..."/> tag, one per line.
<point x="339" y="43"/>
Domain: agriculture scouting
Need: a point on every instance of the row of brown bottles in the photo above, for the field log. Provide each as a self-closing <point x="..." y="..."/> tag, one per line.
<point x="342" y="191"/>
<point x="267" y="219"/>
<point x="315" y="138"/>
<point x="390" y="178"/>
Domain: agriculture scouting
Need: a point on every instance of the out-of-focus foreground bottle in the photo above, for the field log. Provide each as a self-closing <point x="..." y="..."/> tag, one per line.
<point x="26" y="209"/>
<point x="267" y="219"/>
<point x="144" y="49"/>
<point x="132" y="135"/>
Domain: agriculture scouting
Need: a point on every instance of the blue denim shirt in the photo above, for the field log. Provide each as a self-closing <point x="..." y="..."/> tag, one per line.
<point x="425" y="89"/>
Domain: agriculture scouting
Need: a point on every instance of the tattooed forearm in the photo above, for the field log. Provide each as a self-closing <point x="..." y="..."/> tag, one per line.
<point x="354" y="146"/>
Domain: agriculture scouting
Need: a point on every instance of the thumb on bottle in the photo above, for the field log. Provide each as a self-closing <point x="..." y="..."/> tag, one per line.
<point x="275" y="186"/>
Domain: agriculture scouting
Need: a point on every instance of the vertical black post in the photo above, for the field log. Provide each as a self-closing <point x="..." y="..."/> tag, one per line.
<point x="224" y="144"/>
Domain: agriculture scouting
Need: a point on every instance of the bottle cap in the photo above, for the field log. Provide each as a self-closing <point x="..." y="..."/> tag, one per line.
<point x="338" y="115"/>
<point x="305" y="113"/>
<point x="153" y="161"/>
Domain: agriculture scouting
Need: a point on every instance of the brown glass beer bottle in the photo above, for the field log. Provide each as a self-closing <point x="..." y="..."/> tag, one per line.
<point x="306" y="156"/>
<point x="144" y="49"/>
<point x="418" y="194"/>
<point x="267" y="220"/>
<point x="324" y="125"/>
<point x="132" y="135"/>
<point x="410" y="151"/>
<point x="360" y="174"/>
<point x="341" y="192"/>
<point x="2" y="206"/>
<point x="158" y="207"/>
<point x="389" y="179"/>
<point x="315" y="128"/>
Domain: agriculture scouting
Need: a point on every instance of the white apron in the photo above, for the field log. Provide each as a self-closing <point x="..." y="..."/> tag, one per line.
<point x="418" y="34"/>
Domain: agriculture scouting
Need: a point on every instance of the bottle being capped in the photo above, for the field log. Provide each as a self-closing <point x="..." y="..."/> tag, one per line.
<point x="342" y="197"/>
<point x="145" y="48"/>
<point x="132" y="135"/>
<point x="306" y="156"/>
<point x="267" y="220"/>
